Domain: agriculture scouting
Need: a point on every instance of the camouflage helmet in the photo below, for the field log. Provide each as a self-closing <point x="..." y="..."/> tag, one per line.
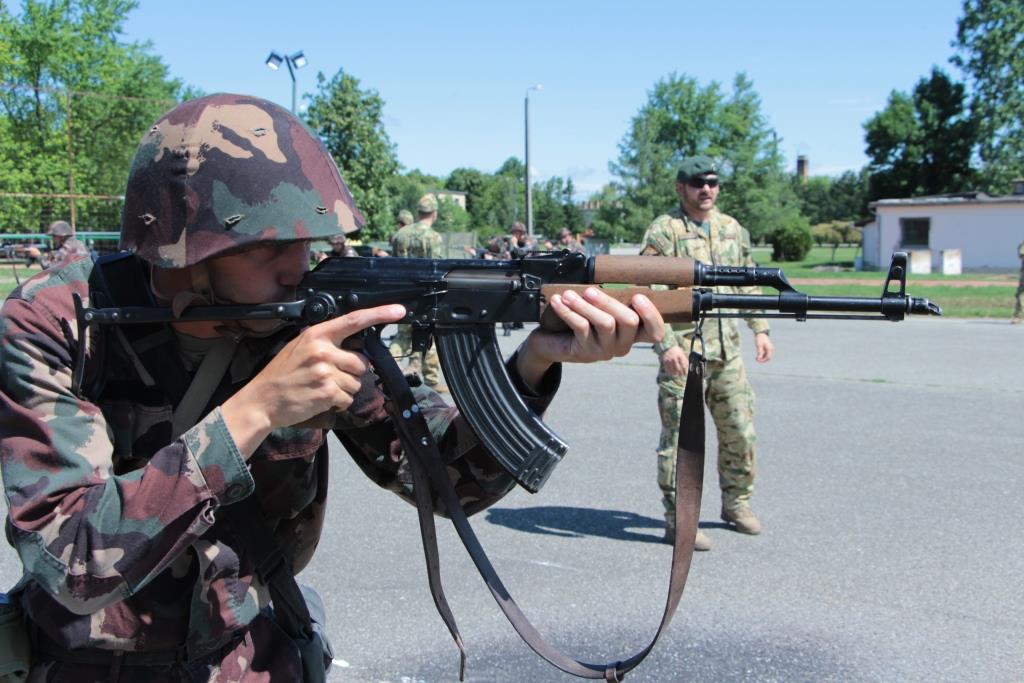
<point x="427" y="204"/>
<point x="60" y="229"/>
<point x="226" y="171"/>
<point x="405" y="217"/>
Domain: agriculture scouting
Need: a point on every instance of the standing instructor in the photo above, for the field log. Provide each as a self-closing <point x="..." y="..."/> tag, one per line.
<point x="696" y="229"/>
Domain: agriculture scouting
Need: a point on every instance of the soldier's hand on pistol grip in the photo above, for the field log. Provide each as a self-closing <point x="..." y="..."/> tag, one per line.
<point x="311" y="375"/>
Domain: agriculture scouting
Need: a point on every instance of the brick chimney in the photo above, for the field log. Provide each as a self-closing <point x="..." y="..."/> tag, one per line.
<point x="802" y="167"/>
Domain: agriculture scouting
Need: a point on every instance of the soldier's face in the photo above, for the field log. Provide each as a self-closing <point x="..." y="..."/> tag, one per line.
<point x="261" y="274"/>
<point x="699" y="199"/>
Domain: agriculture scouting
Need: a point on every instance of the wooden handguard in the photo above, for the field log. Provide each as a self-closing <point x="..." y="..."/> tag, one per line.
<point x="676" y="305"/>
<point x="644" y="270"/>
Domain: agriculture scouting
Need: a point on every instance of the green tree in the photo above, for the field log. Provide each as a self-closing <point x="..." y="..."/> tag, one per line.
<point x="75" y="102"/>
<point x="990" y="50"/>
<point x="350" y="121"/>
<point x="850" y="195"/>
<point x="476" y="184"/>
<point x="451" y="217"/>
<point x="816" y="197"/>
<point x="825" y="199"/>
<point x="609" y="218"/>
<point x="504" y="202"/>
<point x="680" y="119"/>
<point x="921" y="144"/>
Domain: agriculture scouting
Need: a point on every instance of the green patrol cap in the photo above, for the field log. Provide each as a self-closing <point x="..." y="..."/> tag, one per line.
<point x="695" y="166"/>
<point x="405" y="217"/>
<point x="427" y="204"/>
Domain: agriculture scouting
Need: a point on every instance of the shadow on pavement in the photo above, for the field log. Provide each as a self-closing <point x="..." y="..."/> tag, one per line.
<point x="571" y="522"/>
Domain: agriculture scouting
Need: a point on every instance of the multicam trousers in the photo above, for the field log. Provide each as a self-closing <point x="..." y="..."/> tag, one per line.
<point x="401" y="347"/>
<point x="1018" y="304"/>
<point x="730" y="399"/>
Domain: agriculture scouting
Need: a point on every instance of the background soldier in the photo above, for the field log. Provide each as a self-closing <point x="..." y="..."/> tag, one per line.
<point x="419" y="240"/>
<point x="1018" y="305"/>
<point x="518" y="245"/>
<point x="567" y="241"/>
<point x="65" y="245"/>
<point x="404" y="218"/>
<point x="696" y="229"/>
<point x="339" y="247"/>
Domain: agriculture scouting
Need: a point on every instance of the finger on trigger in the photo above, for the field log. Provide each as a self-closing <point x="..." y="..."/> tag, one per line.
<point x="338" y="329"/>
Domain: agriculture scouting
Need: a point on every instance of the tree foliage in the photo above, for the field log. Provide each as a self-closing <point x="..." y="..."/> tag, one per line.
<point x="350" y="121"/>
<point x="681" y="118"/>
<point x="921" y="144"/>
<point x="824" y="199"/>
<point x="74" y="103"/>
<point x="990" y="50"/>
<point x="496" y="200"/>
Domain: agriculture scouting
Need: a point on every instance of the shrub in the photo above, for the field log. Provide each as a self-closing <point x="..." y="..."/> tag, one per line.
<point x="791" y="242"/>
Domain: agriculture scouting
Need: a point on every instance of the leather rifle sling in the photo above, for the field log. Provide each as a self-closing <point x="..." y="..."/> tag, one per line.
<point x="424" y="455"/>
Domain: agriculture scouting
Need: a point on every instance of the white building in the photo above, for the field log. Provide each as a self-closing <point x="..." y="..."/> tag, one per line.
<point x="970" y="229"/>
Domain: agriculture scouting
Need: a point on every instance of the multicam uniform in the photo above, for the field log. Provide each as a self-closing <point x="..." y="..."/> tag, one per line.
<point x="418" y="240"/>
<point x="721" y="240"/>
<point x="1018" y="306"/>
<point x="117" y="524"/>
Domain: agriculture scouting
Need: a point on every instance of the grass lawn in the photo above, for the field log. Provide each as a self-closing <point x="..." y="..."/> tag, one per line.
<point x="994" y="301"/>
<point x="7" y="281"/>
<point x="819" y="263"/>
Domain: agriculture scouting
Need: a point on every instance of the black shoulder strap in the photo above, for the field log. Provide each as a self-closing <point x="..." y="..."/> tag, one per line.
<point x="431" y="478"/>
<point x="120" y="280"/>
<point x="249" y="523"/>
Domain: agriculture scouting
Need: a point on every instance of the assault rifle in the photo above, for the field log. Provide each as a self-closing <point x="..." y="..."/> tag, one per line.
<point x="456" y="303"/>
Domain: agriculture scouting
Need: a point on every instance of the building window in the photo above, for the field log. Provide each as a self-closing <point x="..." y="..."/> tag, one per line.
<point x="914" y="232"/>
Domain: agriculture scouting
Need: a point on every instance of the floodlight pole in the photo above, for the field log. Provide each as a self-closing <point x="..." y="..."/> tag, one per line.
<point x="291" y="72"/>
<point x="529" y="188"/>
<point x="293" y="62"/>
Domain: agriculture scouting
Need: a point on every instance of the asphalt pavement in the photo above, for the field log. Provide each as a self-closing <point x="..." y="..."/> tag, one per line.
<point x="891" y="460"/>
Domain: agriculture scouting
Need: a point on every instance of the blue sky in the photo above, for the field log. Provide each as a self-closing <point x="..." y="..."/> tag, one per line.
<point x="453" y="74"/>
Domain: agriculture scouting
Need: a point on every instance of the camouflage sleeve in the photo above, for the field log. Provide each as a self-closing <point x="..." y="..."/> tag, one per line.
<point x="369" y="437"/>
<point x="658" y="240"/>
<point x="755" y="324"/>
<point x="88" y="535"/>
<point x="436" y="245"/>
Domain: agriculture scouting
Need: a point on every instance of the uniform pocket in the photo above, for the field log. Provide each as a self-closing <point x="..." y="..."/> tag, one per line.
<point x="137" y="431"/>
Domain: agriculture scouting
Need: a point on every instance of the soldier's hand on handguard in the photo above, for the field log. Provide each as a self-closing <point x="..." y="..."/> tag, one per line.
<point x="311" y="375"/>
<point x="675" y="362"/>
<point x="600" y="327"/>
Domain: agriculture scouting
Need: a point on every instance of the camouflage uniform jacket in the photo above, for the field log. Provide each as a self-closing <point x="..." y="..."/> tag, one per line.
<point x="722" y="241"/>
<point x="116" y="523"/>
<point x="417" y="241"/>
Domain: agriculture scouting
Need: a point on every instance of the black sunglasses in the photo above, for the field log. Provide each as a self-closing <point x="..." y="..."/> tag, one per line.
<point x="699" y="183"/>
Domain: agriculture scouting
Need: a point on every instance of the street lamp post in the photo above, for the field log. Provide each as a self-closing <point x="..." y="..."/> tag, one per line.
<point x="293" y="62"/>
<point x="529" y="188"/>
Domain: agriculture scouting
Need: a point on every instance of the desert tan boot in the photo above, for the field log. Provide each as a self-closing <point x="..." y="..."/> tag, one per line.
<point x="700" y="542"/>
<point x="743" y="519"/>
